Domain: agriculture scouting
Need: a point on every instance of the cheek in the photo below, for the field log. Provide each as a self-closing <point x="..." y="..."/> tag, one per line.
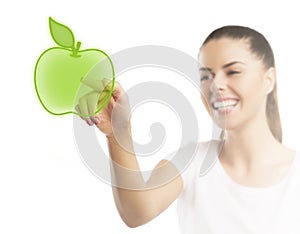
<point x="205" y="94"/>
<point x="251" y="94"/>
<point x="205" y="102"/>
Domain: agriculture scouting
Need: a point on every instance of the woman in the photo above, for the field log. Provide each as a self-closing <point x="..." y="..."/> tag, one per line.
<point x="253" y="187"/>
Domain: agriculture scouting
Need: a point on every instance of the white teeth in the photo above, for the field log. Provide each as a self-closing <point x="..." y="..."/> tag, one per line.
<point x="224" y="104"/>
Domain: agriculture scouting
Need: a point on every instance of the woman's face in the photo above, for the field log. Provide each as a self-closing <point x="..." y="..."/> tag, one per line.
<point x="234" y="82"/>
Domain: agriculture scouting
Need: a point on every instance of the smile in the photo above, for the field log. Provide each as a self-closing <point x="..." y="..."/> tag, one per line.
<point x="224" y="106"/>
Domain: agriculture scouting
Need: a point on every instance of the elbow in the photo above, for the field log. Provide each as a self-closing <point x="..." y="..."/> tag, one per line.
<point x="136" y="213"/>
<point x="134" y="221"/>
<point x="133" y="225"/>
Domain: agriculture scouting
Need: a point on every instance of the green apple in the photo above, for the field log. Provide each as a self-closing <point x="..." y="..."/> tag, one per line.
<point x="63" y="75"/>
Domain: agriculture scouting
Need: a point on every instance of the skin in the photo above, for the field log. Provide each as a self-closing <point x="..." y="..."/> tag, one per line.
<point x="135" y="206"/>
<point x="251" y="155"/>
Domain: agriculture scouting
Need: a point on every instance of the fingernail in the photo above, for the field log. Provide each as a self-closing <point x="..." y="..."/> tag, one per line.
<point x="96" y="120"/>
<point x="90" y="122"/>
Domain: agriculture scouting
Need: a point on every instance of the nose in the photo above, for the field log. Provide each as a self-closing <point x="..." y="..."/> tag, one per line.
<point x="218" y="84"/>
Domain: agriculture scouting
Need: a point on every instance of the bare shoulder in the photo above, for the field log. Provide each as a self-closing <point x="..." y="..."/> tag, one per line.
<point x="286" y="158"/>
<point x="288" y="154"/>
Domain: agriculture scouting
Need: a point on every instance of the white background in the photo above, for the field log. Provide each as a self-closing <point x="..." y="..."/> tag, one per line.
<point x="45" y="187"/>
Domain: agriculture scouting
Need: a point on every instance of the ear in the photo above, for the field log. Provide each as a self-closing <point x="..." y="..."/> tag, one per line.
<point x="269" y="80"/>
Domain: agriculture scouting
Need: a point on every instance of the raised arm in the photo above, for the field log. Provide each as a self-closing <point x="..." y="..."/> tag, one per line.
<point x="137" y="201"/>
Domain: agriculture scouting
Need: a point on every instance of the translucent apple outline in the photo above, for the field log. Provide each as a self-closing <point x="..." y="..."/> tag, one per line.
<point x="64" y="38"/>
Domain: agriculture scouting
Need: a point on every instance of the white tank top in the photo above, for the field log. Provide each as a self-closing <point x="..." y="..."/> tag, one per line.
<point x="212" y="203"/>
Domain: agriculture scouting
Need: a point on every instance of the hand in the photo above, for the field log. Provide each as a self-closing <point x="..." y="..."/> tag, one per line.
<point x="116" y="114"/>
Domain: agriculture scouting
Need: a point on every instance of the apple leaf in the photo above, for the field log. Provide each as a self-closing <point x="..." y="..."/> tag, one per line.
<point x="61" y="34"/>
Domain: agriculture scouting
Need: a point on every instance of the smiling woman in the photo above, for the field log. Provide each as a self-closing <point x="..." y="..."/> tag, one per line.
<point x="253" y="186"/>
<point x="248" y="44"/>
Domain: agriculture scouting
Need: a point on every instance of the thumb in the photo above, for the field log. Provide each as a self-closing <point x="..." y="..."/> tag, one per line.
<point x="120" y="95"/>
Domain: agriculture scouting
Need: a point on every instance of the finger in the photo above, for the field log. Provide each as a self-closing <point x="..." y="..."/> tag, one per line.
<point x="84" y="110"/>
<point x="96" y="84"/>
<point x="118" y="90"/>
<point x="108" y="84"/>
<point x="88" y="121"/>
<point x="96" y="119"/>
<point x="77" y="108"/>
<point x="92" y="100"/>
<point x="102" y="97"/>
<point x="83" y="107"/>
<point x="99" y="102"/>
<point x="120" y="95"/>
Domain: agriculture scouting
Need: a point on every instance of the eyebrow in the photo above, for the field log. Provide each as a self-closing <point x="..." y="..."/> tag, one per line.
<point x="224" y="66"/>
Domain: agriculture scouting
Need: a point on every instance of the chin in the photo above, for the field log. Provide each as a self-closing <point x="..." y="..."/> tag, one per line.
<point x="226" y="123"/>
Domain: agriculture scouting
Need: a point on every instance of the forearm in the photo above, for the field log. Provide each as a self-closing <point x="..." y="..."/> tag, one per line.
<point x="125" y="170"/>
<point x="132" y="203"/>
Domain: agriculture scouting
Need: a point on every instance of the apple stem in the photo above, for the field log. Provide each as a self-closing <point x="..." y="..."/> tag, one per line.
<point x="76" y="49"/>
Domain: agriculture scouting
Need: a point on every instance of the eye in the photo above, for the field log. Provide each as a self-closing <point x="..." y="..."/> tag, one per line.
<point x="233" y="72"/>
<point x="206" y="76"/>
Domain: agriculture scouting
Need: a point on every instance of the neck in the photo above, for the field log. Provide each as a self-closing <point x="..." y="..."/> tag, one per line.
<point x="251" y="145"/>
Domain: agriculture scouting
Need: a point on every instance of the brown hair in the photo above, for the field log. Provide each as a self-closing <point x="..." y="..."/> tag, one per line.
<point x="260" y="47"/>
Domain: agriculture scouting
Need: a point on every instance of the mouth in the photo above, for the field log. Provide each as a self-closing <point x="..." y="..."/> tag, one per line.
<point x="224" y="106"/>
